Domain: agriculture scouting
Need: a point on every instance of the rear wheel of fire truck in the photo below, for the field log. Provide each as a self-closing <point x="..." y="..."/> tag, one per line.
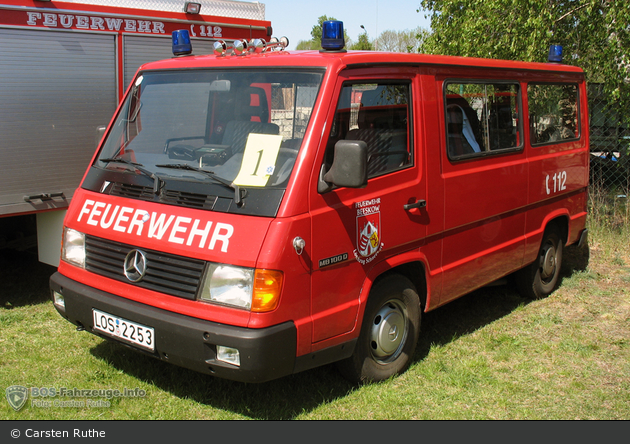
<point x="539" y="279"/>
<point x="389" y="332"/>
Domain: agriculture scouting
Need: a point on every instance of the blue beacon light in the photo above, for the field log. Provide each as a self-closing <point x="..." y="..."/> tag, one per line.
<point x="332" y="36"/>
<point x="181" y="42"/>
<point x="555" y="54"/>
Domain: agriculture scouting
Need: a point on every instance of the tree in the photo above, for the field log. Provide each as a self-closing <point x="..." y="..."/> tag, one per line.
<point x="402" y="41"/>
<point x="363" y="42"/>
<point x="307" y="45"/>
<point x="594" y="33"/>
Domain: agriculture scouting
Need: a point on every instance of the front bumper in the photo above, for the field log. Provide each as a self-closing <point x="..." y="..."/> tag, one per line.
<point x="265" y="354"/>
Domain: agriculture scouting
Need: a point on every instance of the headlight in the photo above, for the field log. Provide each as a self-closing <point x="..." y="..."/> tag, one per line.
<point x="73" y="247"/>
<point x="225" y="284"/>
<point x="252" y="289"/>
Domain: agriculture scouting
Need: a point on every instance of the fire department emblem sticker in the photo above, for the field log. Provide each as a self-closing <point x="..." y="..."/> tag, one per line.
<point x="369" y="242"/>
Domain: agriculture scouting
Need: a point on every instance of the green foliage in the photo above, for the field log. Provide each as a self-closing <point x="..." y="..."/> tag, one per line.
<point x="401" y="41"/>
<point x="594" y="33"/>
<point x="304" y="45"/>
<point x="363" y="43"/>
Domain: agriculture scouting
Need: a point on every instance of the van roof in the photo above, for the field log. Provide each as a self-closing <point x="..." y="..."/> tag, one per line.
<point x="349" y="59"/>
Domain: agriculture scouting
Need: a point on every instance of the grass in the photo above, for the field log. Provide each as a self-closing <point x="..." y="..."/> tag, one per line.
<point x="488" y="355"/>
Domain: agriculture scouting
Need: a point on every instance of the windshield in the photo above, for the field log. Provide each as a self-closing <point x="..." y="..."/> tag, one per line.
<point x="239" y="130"/>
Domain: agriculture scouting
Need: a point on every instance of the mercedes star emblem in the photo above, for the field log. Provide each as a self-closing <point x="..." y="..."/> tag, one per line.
<point x="135" y="265"/>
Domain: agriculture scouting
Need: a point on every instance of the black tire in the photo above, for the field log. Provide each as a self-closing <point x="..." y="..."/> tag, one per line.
<point x="389" y="332"/>
<point x="540" y="278"/>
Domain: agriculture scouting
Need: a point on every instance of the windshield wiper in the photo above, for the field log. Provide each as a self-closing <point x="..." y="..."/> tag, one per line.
<point x="238" y="198"/>
<point x="157" y="181"/>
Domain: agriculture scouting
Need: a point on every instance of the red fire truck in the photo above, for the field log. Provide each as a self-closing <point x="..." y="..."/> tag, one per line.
<point x="256" y="212"/>
<point x="64" y="66"/>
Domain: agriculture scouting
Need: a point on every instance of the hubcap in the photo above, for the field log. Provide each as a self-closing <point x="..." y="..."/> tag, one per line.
<point x="548" y="265"/>
<point x="389" y="331"/>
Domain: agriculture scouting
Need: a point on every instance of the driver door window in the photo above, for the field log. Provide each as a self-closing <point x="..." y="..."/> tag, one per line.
<point x="377" y="113"/>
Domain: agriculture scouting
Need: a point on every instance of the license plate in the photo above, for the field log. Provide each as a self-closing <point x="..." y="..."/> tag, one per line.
<point x="123" y="329"/>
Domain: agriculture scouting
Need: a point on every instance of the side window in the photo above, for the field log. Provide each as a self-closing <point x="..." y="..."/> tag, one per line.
<point x="482" y="118"/>
<point x="379" y="114"/>
<point x="553" y="113"/>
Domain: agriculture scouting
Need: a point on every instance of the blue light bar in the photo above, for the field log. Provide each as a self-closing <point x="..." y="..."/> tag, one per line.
<point x="555" y="54"/>
<point x="332" y="35"/>
<point x="181" y="42"/>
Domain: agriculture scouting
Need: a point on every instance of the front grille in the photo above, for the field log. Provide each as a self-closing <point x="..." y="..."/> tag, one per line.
<point x="165" y="273"/>
<point x="132" y="191"/>
<point x="190" y="200"/>
<point x="171" y="197"/>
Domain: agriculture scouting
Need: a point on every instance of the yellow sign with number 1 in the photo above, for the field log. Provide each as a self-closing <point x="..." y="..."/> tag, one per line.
<point x="259" y="160"/>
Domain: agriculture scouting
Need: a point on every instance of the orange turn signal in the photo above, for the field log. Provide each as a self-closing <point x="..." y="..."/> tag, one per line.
<point x="267" y="289"/>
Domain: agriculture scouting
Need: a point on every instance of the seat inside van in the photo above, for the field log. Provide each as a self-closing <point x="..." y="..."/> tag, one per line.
<point x="251" y="115"/>
<point x="463" y="127"/>
<point x="383" y="127"/>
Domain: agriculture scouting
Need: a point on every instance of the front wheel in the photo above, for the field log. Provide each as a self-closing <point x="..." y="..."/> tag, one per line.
<point x="539" y="279"/>
<point x="389" y="333"/>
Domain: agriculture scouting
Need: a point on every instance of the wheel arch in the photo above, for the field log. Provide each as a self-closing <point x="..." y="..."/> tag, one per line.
<point x="414" y="271"/>
<point x="561" y="221"/>
<point x="412" y="266"/>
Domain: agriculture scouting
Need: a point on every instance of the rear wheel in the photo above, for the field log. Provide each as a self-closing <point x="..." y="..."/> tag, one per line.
<point x="539" y="279"/>
<point x="389" y="332"/>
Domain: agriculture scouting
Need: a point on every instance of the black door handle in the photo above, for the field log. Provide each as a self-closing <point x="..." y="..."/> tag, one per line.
<point x="421" y="203"/>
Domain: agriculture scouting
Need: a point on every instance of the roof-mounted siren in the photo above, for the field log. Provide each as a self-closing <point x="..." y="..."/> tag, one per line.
<point x="332" y="36"/>
<point x="258" y="46"/>
<point x="555" y="54"/>
<point x="181" y="43"/>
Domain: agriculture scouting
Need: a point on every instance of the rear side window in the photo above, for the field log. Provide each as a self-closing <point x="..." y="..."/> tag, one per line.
<point x="553" y="113"/>
<point x="377" y="113"/>
<point x="482" y="118"/>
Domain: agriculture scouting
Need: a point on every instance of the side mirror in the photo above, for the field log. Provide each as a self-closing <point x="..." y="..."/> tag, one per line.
<point x="220" y="86"/>
<point x="349" y="168"/>
<point x="99" y="133"/>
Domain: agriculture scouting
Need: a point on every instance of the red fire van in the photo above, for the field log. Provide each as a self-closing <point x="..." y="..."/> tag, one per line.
<point x="258" y="212"/>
